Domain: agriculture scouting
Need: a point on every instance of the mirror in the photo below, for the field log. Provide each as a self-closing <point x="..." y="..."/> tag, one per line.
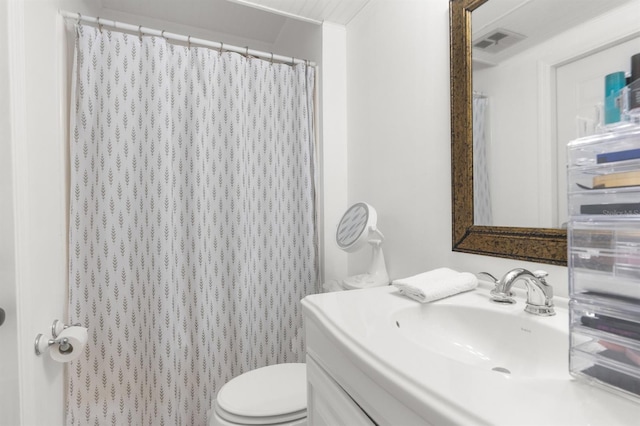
<point x="537" y="65"/>
<point x="351" y="234"/>
<point x="545" y="245"/>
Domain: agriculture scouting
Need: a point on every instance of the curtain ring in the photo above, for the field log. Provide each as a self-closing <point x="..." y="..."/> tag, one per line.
<point x="79" y="19"/>
<point x="189" y="42"/>
<point x="246" y="52"/>
<point x="162" y="34"/>
<point x="140" y="32"/>
<point x="293" y="61"/>
<point x="221" y="47"/>
<point x="99" y="24"/>
<point x="271" y="58"/>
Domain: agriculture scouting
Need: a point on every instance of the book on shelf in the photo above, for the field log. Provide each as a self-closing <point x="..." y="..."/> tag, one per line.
<point x="617" y="180"/>
<point x="610" y="209"/>
<point x="612" y="157"/>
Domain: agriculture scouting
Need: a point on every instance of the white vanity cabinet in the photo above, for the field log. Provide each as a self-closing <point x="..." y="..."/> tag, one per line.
<point x="327" y="403"/>
<point x="340" y="390"/>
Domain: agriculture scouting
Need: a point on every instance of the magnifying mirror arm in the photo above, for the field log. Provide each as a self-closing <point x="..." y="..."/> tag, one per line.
<point x="378" y="269"/>
<point x="373" y="232"/>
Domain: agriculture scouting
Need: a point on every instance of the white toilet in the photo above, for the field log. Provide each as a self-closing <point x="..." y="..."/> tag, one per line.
<point x="272" y="395"/>
<point x="277" y="394"/>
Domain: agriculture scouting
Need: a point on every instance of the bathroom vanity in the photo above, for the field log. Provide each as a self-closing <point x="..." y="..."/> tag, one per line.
<point x="375" y="357"/>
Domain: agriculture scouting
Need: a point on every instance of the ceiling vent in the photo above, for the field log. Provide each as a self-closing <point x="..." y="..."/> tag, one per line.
<point x="497" y="41"/>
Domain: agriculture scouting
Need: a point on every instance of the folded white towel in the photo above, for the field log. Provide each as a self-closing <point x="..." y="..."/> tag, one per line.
<point x="436" y="284"/>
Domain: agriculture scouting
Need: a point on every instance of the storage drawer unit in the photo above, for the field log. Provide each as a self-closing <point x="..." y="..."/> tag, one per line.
<point x="605" y="342"/>
<point x="604" y="260"/>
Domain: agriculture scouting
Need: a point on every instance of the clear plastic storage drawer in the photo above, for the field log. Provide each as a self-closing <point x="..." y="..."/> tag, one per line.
<point x="605" y="346"/>
<point x="611" y="177"/>
<point x="623" y="201"/>
<point x="606" y="148"/>
<point x="604" y="257"/>
<point x="605" y="176"/>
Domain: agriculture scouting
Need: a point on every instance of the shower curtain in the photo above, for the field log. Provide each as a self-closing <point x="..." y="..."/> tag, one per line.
<point x="482" y="213"/>
<point x="192" y="223"/>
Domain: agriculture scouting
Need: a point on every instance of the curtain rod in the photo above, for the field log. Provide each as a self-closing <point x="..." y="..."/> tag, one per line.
<point x="182" y="38"/>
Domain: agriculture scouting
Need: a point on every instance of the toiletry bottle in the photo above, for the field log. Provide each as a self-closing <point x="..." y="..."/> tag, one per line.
<point x="634" y="86"/>
<point x="613" y="83"/>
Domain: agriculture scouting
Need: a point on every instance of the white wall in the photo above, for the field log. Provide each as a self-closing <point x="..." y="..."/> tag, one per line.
<point x="513" y="134"/>
<point x="299" y="39"/>
<point x="37" y="74"/>
<point x="9" y="384"/>
<point x="399" y="138"/>
<point x="333" y="164"/>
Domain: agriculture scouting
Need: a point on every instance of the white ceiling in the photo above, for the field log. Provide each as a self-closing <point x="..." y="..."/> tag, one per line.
<point x="537" y="20"/>
<point x="261" y="20"/>
<point x="220" y="16"/>
<point x="317" y="11"/>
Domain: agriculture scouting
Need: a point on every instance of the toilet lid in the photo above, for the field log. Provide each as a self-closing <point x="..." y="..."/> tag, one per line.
<point x="276" y="391"/>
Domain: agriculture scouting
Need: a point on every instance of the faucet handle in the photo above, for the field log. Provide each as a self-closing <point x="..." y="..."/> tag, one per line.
<point x="540" y="273"/>
<point x="540" y="298"/>
<point x="493" y="279"/>
<point x="498" y="295"/>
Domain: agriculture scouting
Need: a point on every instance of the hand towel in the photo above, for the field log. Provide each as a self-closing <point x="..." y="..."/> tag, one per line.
<point x="436" y="284"/>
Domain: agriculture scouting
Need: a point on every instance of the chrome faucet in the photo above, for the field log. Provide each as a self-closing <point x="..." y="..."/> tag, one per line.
<point x="539" y="293"/>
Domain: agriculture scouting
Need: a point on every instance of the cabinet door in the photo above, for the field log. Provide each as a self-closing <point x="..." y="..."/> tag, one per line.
<point x="327" y="403"/>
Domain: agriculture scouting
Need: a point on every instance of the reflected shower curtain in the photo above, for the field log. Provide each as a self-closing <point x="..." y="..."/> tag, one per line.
<point x="482" y="213"/>
<point x="192" y="224"/>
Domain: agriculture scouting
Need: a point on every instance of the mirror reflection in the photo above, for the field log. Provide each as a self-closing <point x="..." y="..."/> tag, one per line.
<point x="539" y="68"/>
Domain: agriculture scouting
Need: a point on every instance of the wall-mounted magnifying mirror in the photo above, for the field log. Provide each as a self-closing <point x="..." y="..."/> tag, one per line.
<point x="356" y="229"/>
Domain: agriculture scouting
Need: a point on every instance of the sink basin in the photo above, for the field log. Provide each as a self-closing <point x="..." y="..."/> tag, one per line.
<point x="489" y="336"/>
<point x="459" y="360"/>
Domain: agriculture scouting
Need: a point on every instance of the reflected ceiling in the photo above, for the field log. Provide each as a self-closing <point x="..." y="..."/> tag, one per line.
<point x="536" y="20"/>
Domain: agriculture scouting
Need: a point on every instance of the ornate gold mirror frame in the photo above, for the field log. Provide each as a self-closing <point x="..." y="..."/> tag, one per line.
<point x="532" y="244"/>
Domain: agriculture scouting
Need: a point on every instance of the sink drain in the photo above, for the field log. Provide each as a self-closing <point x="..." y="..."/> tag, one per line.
<point x="501" y="370"/>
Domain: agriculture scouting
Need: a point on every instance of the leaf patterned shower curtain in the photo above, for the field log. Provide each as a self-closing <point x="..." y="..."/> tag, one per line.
<point x="192" y="223"/>
<point x="482" y="212"/>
